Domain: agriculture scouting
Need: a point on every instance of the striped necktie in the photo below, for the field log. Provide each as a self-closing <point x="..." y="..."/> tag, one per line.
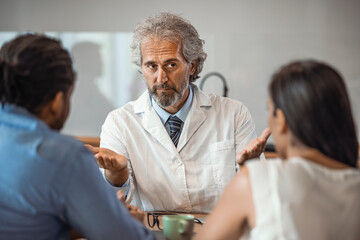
<point x="175" y="129"/>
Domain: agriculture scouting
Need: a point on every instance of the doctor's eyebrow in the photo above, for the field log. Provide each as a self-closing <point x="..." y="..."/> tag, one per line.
<point x="172" y="60"/>
<point x="149" y="63"/>
<point x="166" y="61"/>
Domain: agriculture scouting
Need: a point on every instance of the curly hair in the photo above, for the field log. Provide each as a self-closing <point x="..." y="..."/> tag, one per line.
<point x="33" y="68"/>
<point x="174" y="28"/>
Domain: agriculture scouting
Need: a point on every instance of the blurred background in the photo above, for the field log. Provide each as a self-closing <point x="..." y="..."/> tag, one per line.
<point x="246" y="42"/>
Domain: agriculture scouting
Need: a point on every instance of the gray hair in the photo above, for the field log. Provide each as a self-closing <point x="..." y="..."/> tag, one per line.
<point x="174" y="28"/>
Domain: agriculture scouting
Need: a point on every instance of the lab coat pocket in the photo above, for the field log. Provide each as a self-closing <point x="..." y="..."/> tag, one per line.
<point x="223" y="145"/>
<point x="222" y="156"/>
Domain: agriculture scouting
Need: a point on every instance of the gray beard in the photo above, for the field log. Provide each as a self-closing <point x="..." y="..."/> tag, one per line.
<point x="165" y="100"/>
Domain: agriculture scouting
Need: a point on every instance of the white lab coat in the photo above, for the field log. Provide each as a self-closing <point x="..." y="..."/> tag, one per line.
<point x="192" y="176"/>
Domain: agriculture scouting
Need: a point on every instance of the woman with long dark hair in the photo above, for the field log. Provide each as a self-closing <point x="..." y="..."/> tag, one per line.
<point x="313" y="190"/>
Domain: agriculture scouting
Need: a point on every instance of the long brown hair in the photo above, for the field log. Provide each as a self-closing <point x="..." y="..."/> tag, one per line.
<point x="317" y="109"/>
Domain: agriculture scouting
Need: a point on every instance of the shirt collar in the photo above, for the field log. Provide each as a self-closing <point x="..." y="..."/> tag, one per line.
<point x="182" y="113"/>
<point x="20" y="117"/>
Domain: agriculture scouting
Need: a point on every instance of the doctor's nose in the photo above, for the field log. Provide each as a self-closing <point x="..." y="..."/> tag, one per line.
<point x="161" y="76"/>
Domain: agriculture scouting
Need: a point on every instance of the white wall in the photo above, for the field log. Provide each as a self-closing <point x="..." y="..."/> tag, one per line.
<point x="246" y="40"/>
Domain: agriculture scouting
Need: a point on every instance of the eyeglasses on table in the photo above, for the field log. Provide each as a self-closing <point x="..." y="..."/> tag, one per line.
<point x="153" y="219"/>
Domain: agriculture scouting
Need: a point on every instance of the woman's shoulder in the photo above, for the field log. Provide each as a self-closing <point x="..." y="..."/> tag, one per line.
<point x="260" y="166"/>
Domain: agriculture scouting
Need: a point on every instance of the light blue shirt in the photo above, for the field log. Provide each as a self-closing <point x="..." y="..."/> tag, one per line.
<point x="181" y="114"/>
<point x="50" y="184"/>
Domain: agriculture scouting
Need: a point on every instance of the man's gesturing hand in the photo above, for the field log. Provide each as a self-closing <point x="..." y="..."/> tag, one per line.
<point x="135" y="212"/>
<point x="254" y="148"/>
<point x="115" y="165"/>
<point x="108" y="159"/>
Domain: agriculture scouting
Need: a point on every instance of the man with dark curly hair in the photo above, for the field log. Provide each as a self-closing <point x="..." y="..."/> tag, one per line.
<point x="49" y="183"/>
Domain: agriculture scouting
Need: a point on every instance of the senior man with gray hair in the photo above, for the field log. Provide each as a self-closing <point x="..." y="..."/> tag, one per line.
<point x="174" y="148"/>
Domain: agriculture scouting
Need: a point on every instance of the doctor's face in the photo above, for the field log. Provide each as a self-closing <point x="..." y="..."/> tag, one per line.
<point x="166" y="72"/>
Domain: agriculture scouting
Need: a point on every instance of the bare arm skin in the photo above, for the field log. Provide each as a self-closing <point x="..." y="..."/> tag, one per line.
<point x="232" y="213"/>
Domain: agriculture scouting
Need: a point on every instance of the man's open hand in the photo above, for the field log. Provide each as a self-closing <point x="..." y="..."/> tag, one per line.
<point x="108" y="159"/>
<point x="254" y="148"/>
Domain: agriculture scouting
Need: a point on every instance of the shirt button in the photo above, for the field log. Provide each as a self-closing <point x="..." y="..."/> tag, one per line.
<point x="178" y="162"/>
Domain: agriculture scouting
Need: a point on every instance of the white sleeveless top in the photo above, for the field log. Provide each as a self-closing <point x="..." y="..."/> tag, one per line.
<point x="299" y="199"/>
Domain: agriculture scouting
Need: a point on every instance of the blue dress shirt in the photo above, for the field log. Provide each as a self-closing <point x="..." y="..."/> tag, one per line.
<point x="50" y="184"/>
<point x="181" y="114"/>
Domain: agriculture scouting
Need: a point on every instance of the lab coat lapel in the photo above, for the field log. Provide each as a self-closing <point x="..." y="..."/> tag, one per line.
<point x="195" y="118"/>
<point x="152" y="123"/>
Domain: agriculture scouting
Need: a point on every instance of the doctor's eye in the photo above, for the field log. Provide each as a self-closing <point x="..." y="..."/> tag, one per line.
<point x="171" y="66"/>
<point x="150" y="65"/>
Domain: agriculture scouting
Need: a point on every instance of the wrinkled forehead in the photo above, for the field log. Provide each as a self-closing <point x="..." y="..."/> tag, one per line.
<point x="157" y="39"/>
<point x="154" y="46"/>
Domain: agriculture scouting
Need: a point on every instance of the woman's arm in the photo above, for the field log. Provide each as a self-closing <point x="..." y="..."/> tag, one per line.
<point x="233" y="212"/>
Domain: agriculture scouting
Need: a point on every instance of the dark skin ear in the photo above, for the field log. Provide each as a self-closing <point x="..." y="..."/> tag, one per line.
<point x="53" y="110"/>
<point x="57" y="104"/>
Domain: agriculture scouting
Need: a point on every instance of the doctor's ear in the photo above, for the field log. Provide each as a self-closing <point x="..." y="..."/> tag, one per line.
<point x="193" y="66"/>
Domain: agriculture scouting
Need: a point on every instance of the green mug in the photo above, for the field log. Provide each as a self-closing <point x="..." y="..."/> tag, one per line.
<point x="178" y="227"/>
